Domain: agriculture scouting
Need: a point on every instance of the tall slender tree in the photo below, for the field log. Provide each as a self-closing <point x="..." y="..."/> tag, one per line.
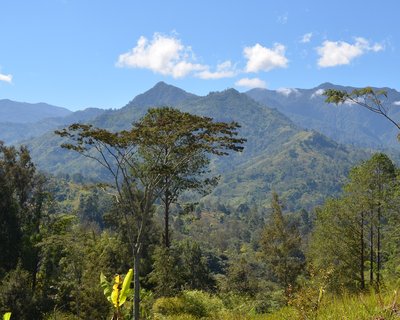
<point x="139" y="162"/>
<point x="350" y="230"/>
<point x="281" y="245"/>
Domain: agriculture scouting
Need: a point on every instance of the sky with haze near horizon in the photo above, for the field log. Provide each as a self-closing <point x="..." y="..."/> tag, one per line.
<point x="85" y="53"/>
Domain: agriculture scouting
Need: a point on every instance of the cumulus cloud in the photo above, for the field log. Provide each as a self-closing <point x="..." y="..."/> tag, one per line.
<point x="260" y="58"/>
<point x="287" y="91"/>
<point x="396" y="103"/>
<point x="317" y="93"/>
<point x="6" y="77"/>
<point x="334" y="53"/>
<point x="163" y="54"/>
<point x="251" y="83"/>
<point x="223" y="70"/>
<point x="306" y="37"/>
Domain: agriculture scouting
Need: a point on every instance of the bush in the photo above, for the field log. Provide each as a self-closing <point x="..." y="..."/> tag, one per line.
<point x="57" y="315"/>
<point x="196" y="304"/>
<point x="169" y="306"/>
<point x="16" y="295"/>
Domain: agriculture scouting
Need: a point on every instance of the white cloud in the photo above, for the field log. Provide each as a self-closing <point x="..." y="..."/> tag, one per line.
<point x="306" y="37"/>
<point x="251" y="83"/>
<point x="396" y="103"/>
<point x="287" y="91"/>
<point x="223" y="70"/>
<point x="334" y="53"/>
<point x="6" y="77"/>
<point x="317" y="93"/>
<point x="265" y="59"/>
<point x="163" y="54"/>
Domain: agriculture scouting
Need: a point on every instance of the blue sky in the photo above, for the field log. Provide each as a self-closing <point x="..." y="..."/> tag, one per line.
<point x="84" y="53"/>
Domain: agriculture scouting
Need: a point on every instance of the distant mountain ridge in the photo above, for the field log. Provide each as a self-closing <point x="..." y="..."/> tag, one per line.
<point x="16" y="130"/>
<point x="349" y="124"/>
<point x="23" y="112"/>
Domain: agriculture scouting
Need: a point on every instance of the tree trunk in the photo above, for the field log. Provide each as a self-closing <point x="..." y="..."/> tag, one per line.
<point x="371" y="247"/>
<point x="378" y="260"/>
<point x="166" y="218"/>
<point x="362" y="252"/>
<point x="136" y="298"/>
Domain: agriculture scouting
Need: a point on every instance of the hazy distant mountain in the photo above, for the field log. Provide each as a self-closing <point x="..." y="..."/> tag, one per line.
<point x="22" y="112"/>
<point x="303" y="166"/>
<point x="350" y="124"/>
<point x="14" y="132"/>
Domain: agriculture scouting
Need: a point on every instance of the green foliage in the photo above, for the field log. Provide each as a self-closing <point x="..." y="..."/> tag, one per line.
<point x="17" y="296"/>
<point x="117" y="292"/>
<point x="319" y="169"/>
<point x="281" y="244"/>
<point x="197" y="304"/>
<point x="169" y="306"/>
<point x="21" y="200"/>
<point x="59" y="315"/>
<point x="7" y="316"/>
<point x="71" y="259"/>
<point x="351" y="232"/>
<point x="184" y="143"/>
<point x="242" y="277"/>
<point x="183" y="265"/>
<point x="308" y="300"/>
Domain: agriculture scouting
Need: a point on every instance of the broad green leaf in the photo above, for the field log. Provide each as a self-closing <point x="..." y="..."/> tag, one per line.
<point x="125" y="287"/>
<point x="106" y="286"/>
<point x="116" y="290"/>
<point x="7" y="316"/>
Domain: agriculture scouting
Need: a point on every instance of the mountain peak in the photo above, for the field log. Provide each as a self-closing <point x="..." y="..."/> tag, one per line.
<point x="162" y="94"/>
<point x="161" y="84"/>
<point x="326" y="85"/>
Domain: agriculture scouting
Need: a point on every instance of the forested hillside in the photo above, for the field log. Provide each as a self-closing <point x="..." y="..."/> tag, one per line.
<point x="219" y="208"/>
<point x="263" y="158"/>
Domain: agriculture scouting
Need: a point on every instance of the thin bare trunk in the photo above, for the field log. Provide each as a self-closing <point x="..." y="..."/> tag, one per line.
<point x="371" y="248"/>
<point x="378" y="260"/>
<point x="362" y="252"/>
<point x="136" y="298"/>
<point x="166" y="217"/>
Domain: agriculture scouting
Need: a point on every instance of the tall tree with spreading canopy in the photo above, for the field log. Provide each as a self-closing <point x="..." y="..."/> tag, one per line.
<point x="177" y="145"/>
<point x="148" y="160"/>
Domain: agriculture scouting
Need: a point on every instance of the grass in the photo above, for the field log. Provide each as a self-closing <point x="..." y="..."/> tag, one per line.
<point x="366" y="306"/>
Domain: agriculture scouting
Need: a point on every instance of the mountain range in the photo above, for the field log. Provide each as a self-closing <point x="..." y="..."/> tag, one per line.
<point x="21" y="121"/>
<point x="22" y="112"/>
<point x="348" y="123"/>
<point x="302" y="165"/>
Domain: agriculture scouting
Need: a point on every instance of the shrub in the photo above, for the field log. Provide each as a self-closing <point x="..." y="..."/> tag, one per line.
<point x="197" y="304"/>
